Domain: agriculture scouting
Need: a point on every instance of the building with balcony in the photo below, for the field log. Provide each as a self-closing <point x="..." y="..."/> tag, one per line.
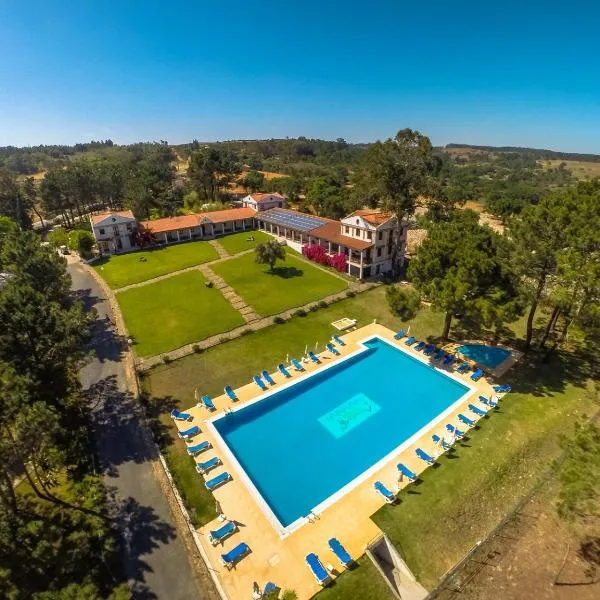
<point x="366" y="237"/>
<point x="114" y="231"/>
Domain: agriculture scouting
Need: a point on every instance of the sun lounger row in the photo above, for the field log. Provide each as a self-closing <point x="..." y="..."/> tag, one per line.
<point x="180" y="416"/>
<point x="316" y="566"/>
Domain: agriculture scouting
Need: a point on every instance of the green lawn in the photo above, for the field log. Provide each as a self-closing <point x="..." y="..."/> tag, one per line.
<point x="238" y="242"/>
<point x="134" y="267"/>
<point x="292" y="283"/>
<point x="458" y="503"/>
<point x="176" y="311"/>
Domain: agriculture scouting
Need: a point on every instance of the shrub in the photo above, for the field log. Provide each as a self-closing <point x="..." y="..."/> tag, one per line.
<point x="196" y="348"/>
<point x="81" y="241"/>
<point x="313" y="308"/>
<point x="300" y="312"/>
<point x="167" y="359"/>
<point x="339" y="262"/>
<point x="403" y="302"/>
<point x="208" y="284"/>
<point x="247" y="331"/>
<point x="278" y="320"/>
<point x="323" y="304"/>
<point x="350" y="294"/>
<point x="58" y="238"/>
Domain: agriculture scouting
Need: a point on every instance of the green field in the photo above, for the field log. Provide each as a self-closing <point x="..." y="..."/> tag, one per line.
<point x="239" y="242"/>
<point x="134" y="267"/>
<point x="292" y="283"/>
<point x="176" y="311"/>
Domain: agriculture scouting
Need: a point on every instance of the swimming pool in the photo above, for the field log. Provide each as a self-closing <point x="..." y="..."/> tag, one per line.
<point x="300" y="448"/>
<point x="488" y="356"/>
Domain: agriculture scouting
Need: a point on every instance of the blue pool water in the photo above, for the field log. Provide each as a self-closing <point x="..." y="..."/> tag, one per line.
<point x="302" y="444"/>
<point x="488" y="356"/>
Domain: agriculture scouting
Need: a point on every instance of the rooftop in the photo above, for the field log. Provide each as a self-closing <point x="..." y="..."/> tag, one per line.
<point x="261" y="197"/>
<point x="197" y="219"/>
<point x="127" y="214"/>
<point x="374" y="217"/>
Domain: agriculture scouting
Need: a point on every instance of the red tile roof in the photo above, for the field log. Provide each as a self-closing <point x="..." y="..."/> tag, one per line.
<point x="197" y="219"/>
<point x="262" y="197"/>
<point x="120" y="213"/>
<point x="374" y="217"/>
<point x="332" y="232"/>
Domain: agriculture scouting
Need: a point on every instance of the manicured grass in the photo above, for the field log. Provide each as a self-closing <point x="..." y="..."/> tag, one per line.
<point x="134" y="267"/>
<point x="238" y="242"/>
<point x="362" y="582"/>
<point x="291" y="283"/>
<point x="460" y="502"/>
<point x="176" y="311"/>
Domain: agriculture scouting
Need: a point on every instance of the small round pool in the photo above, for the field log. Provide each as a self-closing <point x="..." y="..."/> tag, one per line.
<point x="488" y="356"/>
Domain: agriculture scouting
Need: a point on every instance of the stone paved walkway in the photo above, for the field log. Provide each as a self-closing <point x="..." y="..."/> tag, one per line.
<point x="219" y="248"/>
<point x="143" y="364"/>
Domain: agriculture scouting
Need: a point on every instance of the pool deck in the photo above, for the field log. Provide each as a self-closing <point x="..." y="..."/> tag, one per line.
<point x="281" y="559"/>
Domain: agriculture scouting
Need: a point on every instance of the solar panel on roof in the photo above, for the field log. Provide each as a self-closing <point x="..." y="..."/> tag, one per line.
<point x="297" y="221"/>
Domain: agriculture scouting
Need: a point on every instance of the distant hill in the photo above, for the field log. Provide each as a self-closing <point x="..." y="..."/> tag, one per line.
<point x="537" y="153"/>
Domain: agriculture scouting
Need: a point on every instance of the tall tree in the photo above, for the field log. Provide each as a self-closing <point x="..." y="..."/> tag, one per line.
<point x="460" y="269"/>
<point x="394" y="173"/>
<point x="211" y="170"/>
<point x="11" y="200"/>
<point x="268" y="253"/>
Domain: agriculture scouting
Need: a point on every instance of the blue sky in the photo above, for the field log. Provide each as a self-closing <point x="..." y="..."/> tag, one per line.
<point x="511" y="73"/>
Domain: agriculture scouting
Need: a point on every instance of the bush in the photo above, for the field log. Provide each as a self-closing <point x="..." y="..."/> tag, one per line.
<point x="58" y="238"/>
<point x="208" y="284"/>
<point x="323" y="304"/>
<point x="167" y="359"/>
<point x="313" y="308"/>
<point x="196" y="348"/>
<point x="300" y="312"/>
<point x="247" y="331"/>
<point x="278" y="320"/>
<point x="350" y="294"/>
<point x="403" y="302"/>
<point x="81" y="241"/>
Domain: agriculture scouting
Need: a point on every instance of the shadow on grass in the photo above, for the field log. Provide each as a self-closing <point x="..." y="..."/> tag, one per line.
<point x="286" y="272"/>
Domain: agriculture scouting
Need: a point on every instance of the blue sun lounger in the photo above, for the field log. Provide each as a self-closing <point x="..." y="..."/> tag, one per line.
<point x="468" y="422"/>
<point x="463" y="368"/>
<point x="502" y="389"/>
<point x="317" y="568"/>
<point x="438" y="440"/>
<point x="449" y="359"/>
<point x="477" y="374"/>
<point x="206" y="466"/>
<point x="208" y="403"/>
<point x="218" y="535"/>
<point x="188" y="433"/>
<point x="215" y="482"/>
<point x="404" y="470"/>
<point x="439" y="354"/>
<point x="297" y="365"/>
<point x="388" y="496"/>
<point x="457" y="432"/>
<point x="420" y="346"/>
<point x="429" y="350"/>
<point x="314" y="358"/>
<point x="338" y="340"/>
<point x="488" y="402"/>
<point x="340" y="552"/>
<point x="424" y="456"/>
<point x="260" y="383"/>
<point x="230" y="558"/>
<point x="180" y="416"/>
<point x="474" y="409"/>
<point x="201" y="447"/>
<point x="283" y="371"/>
<point x="268" y="378"/>
<point x="333" y="349"/>
<point x="399" y="335"/>
<point x="230" y="393"/>
<point x="411" y="340"/>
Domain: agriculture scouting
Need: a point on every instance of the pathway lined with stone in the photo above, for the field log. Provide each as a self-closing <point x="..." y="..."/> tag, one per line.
<point x="143" y="364"/>
<point x="219" y="248"/>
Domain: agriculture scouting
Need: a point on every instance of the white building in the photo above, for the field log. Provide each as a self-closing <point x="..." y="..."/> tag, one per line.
<point x="113" y="231"/>
<point x="260" y="201"/>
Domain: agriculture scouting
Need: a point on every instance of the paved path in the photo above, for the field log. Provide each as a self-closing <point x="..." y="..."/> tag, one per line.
<point x="155" y="559"/>
<point x="221" y="251"/>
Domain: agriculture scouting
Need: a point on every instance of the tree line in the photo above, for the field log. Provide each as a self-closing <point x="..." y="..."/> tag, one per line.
<point x="57" y="539"/>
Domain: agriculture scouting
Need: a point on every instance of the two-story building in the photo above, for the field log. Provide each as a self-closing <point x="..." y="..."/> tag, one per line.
<point x="114" y="231"/>
<point x="259" y="201"/>
<point x="366" y="237"/>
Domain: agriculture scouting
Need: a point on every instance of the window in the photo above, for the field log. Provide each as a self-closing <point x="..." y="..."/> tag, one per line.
<point x="357" y="221"/>
<point x="347" y="229"/>
<point x="357" y="232"/>
<point x="380" y="236"/>
<point x="102" y="231"/>
<point x="378" y="252"/>
<point x="369" y="235"/>
<point x="128" y="226"/>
